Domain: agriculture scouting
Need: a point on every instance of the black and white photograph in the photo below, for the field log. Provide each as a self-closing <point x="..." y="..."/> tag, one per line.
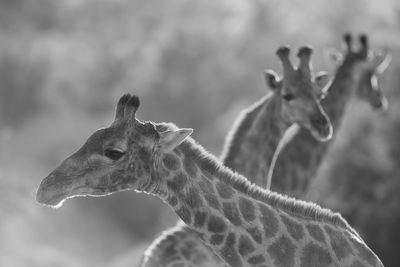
<point x="181" y="133"/>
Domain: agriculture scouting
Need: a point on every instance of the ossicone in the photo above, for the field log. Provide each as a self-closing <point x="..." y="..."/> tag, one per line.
<point x="304" y="55"/>
<point x="363" y="48"/>
<point x="127" y="106"/>
<point x="283" y="53"/>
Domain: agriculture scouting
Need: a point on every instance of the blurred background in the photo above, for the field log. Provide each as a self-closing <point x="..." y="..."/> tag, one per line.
<point x="64" y="64"/>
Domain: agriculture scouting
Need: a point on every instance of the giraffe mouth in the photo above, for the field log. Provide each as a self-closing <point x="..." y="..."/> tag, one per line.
<point x="50" y="199"/>
<point x="322" y="130"/>
<point x="55" y="189"/>
<point x="56" y="199"/>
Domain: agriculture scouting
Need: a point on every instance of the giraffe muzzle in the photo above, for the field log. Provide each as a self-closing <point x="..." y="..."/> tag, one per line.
<point x="51" y="191"/>
<point x="322" y="128"/>
<point x="49" y="198"/>
<point x="382" y="105"/>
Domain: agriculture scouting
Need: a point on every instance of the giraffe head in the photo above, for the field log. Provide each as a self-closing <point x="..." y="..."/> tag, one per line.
<point x="300" y="92"/>
<point x="369" y="67"/>
<point x="119" y="157"/>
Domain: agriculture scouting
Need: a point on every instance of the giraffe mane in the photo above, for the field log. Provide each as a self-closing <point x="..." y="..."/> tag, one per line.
<point x="240" y="126"/>
<point x="163" y="239"/>
<point x="292" y="206"/>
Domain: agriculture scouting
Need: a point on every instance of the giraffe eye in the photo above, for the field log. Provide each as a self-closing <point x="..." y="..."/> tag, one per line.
<point x="113" y="154"/>
<point x="288" y="97"/>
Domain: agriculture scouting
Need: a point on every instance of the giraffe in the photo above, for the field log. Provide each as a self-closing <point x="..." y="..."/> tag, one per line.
<point x="250" y="145"/>
<point x="298" y="162"/>
<point x="242" y="223"/>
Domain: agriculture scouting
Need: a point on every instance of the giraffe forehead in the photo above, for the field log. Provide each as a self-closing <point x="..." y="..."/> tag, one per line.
<point x="301" y="86"/>
<point x="105" y="135"/>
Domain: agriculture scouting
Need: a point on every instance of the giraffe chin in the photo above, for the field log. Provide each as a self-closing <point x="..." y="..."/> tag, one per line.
<point x="322" y="136"/>
<point x="50" y="200"/>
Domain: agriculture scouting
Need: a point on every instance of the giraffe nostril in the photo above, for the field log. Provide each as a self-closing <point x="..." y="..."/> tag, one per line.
<point x="48" y="181"/>
<point x="381" y="105"/>
<point x="319" y="120"/>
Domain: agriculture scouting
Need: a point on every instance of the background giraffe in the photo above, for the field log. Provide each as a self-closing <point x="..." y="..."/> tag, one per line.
<point x="244" y="225"/>
<point x="250" y="147"/>
<point x="357" y="75"/>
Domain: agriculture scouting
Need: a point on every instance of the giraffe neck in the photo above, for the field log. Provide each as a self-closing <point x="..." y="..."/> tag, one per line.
<point x="236" y="219"/>
<point x="254" y="138"/>
<point x="340" y="91"/>
<point x="298" y="162"/>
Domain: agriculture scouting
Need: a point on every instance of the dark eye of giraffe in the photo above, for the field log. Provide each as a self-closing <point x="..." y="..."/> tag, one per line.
<point x="288" y="97"/>
<point x="113" y="154"/>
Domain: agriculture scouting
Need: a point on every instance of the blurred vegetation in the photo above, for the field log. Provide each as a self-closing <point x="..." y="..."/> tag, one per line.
<point x="63" y="65"/>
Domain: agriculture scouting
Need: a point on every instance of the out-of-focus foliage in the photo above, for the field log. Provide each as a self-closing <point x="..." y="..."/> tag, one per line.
<point x="63" y="65"/>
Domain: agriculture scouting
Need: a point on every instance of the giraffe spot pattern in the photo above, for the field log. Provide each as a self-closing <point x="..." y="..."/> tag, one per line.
<point x="216" y="224"/>
<point x="139" y="171"/>
<point x="357" y="264"/>
<point x="339" y="244"/>
<point x="232" y="213"/>
<point x="199" y="234"/>
<point x="255" y="233"/>
<point x="184" y="214"/>
<point x="314" y="255"/>
<point x="224" y="190"/>
<point x="212" y="201"/>
<point x="207" y="168"/>
<point x="190" y="167"/>
<point x="171" y="162"/>
<point x="294" y="228"/>
<point x="282" y="252"/>
<point x="178" y="265"/>
<point x="206" y="186"/>
<point x="316" y="232"/>
<point x="228" y="252"/>
<point x="247" y="209"/>
<point x="245" y="245"/>
<point x="216" y="239"/>
<point x="199" y="219"/>
<point x="255" y="142"/>
<point x="209" y="194"/>
<point x="364" y="252"/>
<point x="103" y="181"/>
<point x="145" y="155"/>
<point x="269" y="221"/>
<point x="169" y="253"/>
<point x="185" y="251"/>
<point x="256" y="259"/>
<point x="177" y="183"/>
<point x="172" y="200"/>
<point x="198" y="257"/>
<point x="193" y="199"/>
<point x="191" y="253"/>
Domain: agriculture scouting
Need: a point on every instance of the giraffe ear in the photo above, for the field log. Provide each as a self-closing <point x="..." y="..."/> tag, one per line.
<point x="173" y="138"/>
<point x="382" y="60"/>
<point x="272" y="79"/>
<point x="334" y="56"/>
<point x="323" y="81"/>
